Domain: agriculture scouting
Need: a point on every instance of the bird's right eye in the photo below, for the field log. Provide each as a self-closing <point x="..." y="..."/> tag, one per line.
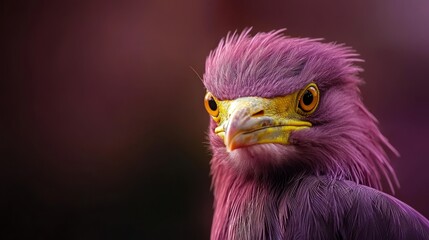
<point x="210" y="103"/>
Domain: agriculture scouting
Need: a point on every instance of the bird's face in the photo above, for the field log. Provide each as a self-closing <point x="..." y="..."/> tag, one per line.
<point x="249" y="126"/>
<point x="248" y="121"/>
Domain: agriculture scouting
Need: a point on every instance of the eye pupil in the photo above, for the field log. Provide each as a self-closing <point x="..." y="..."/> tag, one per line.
<point x="212" y="104"/>
<point x="307" y="98"/>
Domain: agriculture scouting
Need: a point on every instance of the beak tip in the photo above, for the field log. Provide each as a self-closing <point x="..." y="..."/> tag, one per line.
<point x="230" y="146"/>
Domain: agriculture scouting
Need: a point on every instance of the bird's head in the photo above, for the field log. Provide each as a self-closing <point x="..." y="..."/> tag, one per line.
<point x="291" y="105"/>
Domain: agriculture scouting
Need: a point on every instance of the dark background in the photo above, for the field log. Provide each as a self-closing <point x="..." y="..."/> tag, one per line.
<point x="102" y="123"/>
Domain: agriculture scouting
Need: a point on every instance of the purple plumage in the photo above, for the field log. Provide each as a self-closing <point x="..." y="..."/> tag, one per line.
<point x="321" y="178"/>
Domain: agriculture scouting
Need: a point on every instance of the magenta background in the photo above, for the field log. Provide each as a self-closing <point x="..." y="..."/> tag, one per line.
<point x="102" y="122"/>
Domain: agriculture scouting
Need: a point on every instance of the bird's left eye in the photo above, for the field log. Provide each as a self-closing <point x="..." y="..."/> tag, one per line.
<point x="309" y="99"/>
<point x="210" y="104"/>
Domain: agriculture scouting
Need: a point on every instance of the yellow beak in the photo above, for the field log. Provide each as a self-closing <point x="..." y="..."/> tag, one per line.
<point x="253" y="120"/>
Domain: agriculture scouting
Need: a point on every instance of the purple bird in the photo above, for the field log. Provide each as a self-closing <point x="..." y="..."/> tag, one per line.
<point x="296" y="155"/>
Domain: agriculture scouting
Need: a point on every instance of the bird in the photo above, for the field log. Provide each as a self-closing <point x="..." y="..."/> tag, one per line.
<point x="295" y="154"/>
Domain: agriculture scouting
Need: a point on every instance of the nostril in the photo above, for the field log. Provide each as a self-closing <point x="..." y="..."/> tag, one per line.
<point x="258" y="114"/>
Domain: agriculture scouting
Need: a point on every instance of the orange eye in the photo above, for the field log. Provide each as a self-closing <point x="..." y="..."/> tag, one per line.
<point x="309" y="99"/>
<point x="211" y="105"/>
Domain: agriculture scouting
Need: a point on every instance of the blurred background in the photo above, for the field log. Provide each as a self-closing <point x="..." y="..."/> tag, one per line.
<point x="102" y="122"/>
